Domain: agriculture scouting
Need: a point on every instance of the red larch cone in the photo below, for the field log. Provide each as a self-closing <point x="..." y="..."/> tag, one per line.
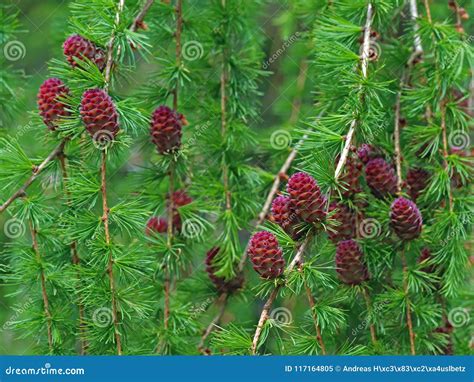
<point x="347" y="222"/>
<point x="380" y="177"/>
<point x="306" y="198"/>
<point x="350" y="263"/>
<point x="166" y="129"/>
<point x="50" y="107"/>
<point x="285" y="216"/>
<point x="266" y="255"/>
<point x="79" y="47"/>
<point x="405" y="219"/>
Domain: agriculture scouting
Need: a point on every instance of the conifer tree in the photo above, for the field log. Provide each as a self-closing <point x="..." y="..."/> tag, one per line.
<point x="209" y="179"/>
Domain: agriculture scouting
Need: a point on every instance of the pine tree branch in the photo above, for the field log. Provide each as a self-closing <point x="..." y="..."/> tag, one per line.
<point x="408" y="303"/>
<point x="417" y="53"/>
<point x="35" y="173"/>
<point x="364" y="66"/>
<point x="297" y="260"/>
<point x="171" y="173"/>
<point x="59" y="148"/>
<point x="276" y="182"/>
<point x="75" y="256"/>
<point x="264" y="317"/>
<point x="222" y="303"/>
<point x="396" y="136"/>
<point x="445" y="151"/>
<point x="312" y="305"/>
<point x="428" y="11"/>
<point x="417" y="39"/>
<point x="138" y="22"/>
<point x="225" y="168"/>
<point x="103" y="177"/>
<point x="110" y="45"/>
<point x="442" y="106"/>
<point x="44" y="293"/>
<point x="368" y="303"/>
<point x="110" y="272"/>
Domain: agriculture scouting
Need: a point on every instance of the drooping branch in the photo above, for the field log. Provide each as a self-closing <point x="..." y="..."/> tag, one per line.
<point x="417" y="39"/>
<point x="225" y="167"/>
<point x="364" y="67"/>
<point x="414" y="57"/>
<point x="103" y="177"/>
<point x="442" y="107"/>
<point x="312" y="306"/>
<point x="273" y="190"/>
<point x="60" y="147"/>
<point x="35" y="173"/>
<point x="138" y="22"/>
<point x="368" y="304"/>
<point x="408" y="303"/>
<point x="75" y="256"/>
<point x="222" y="303"/>
<point x="171" y="172"/>
<point x="44" y="294"/>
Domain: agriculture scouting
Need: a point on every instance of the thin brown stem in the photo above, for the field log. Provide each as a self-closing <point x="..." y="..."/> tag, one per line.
<point x="179" y="29"/>
<point x="312" y="306"/>
<point x="36" y="171"/>
<point x="416" y="39"/>
<point x="167" y="299"/>
<point x="396" y="136"/>
<point x="138" y="21"/>
<point x="171" y="172"/>
<point x="445" y="151"/>
<point x="368" y="303"/>
<point x="428" y="11"/>
<point x="110" y="46"/>
<point x="47" y="312"/>
<point x="364" y="67"/>
<point x="264" y="317"/>
<point x="110" y="273"/>
<point x="442" y="106"/>
<point x="225" y="168"/>
<point x="74" y="257"/>
<point x="222" y="302"/>
<point x="103" y="173"/>
<point x="417" y="52"/>
<point x="408" y="303"/>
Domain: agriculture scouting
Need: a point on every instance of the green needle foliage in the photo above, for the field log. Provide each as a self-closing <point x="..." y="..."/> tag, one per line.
<point x="83" y="280"/>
